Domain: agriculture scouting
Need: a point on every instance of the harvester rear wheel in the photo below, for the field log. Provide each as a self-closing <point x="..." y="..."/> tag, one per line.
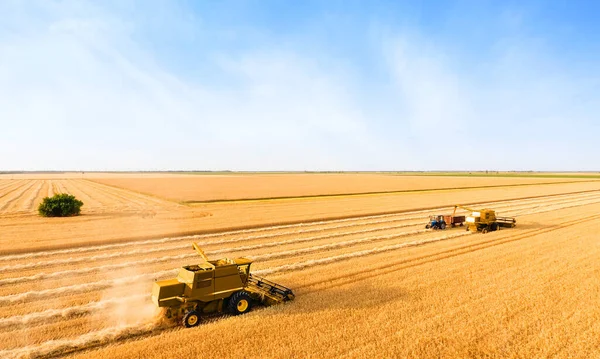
<point x="494" y="227"/>
<point x="240" y="303"/>
<point x="484" y="231"/>
<point x="191" y="319"/>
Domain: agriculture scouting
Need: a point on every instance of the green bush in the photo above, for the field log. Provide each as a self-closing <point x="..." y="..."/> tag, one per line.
<point x="60" y="205"/>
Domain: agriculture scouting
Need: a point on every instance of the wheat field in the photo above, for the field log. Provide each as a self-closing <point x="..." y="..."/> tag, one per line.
<point x="369" y="280"/>
<point x="203" y="188"/>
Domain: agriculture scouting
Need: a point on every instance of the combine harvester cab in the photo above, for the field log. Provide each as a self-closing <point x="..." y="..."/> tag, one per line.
<point x="215" y="286"/>
<point x="485" y="220"/>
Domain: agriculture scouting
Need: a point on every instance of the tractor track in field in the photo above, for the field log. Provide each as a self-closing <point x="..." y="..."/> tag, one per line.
<point x="532" y="199"/>
<point x="88" y="200"/>
<point x="227" y="233"/>
<point x="66" y="273"/>
<point x="58" y="187"/>
<point x="79" y="259"/>
<point x="19" y="195"/>
<point x="12" y="188"/>
<point x="62" y="347"/>
<point x="126" y="196"/>
<point x="65" y="313"/>
<point x="101" y="197"/>
<point x="112" y="201"/>
<point x="363" y="253"/>
<point x="25" y="201"/>
<point x="5" y="186"/>
<point x="364" y="194"/>
<point x="30" y="203"/>
<point x="25" y="205"/>
<point x="118" y="198"/>
<point x="50" y="188"/>
<point x="29" y="255"/>
<point x="98" y="285"/>
<point x="83" y="287"/>
<point x="43" y="193"/>
<point x="74" y="260"/>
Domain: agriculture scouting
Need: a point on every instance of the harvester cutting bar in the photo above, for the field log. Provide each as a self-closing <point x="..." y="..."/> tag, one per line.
<point x="508" y="222"/>
<point x="268" y="291"/>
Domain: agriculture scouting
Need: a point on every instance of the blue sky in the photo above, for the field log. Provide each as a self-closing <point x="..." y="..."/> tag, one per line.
<point x="311" y="85"/>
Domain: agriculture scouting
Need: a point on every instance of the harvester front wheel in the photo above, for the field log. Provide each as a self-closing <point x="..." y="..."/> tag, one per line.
<point x="240" y="303"/>
<point x="191" y="319"/>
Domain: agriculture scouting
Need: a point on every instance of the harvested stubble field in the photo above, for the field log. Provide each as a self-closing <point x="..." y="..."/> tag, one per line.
<point x="369" y="280"/>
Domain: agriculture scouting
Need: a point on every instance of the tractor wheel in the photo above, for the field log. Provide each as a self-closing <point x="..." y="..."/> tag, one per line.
<point x="443" y="226"/>
<point x="191" y="319"/>
<point x="239" y="303"/>
<point x="427" y="226"/>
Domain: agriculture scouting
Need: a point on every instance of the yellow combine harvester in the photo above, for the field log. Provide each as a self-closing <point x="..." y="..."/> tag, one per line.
<point x="485" y="220"/>
<point x="215" y="286"/>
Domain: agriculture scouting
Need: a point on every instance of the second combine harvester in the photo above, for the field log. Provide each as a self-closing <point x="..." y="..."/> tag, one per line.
<point x="485" y="220"/>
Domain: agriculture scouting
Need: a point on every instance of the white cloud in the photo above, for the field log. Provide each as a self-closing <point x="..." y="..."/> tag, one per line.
<point x="80" y="93"/>
<point x="431" y="92"/>
<point x="518" y="109"/>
